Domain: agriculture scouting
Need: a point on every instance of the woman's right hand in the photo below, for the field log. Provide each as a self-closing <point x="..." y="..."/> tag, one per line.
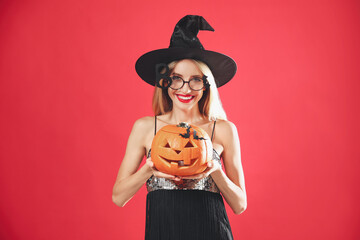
<point x="159" y="174"/>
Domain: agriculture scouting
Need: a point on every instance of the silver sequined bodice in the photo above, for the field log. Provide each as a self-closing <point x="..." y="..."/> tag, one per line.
<point x="206" y="184"/>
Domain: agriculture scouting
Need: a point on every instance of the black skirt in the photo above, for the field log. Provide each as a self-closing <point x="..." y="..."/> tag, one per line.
<point x="186" y="215"/>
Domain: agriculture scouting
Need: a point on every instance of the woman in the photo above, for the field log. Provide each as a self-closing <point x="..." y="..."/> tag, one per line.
<point x="188" y="207"/>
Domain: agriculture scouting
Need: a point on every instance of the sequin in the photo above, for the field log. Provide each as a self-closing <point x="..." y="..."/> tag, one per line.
<point x="206" y="184"/>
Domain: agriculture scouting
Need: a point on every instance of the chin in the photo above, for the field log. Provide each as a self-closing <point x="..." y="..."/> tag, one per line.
<point x="185" y="107"/>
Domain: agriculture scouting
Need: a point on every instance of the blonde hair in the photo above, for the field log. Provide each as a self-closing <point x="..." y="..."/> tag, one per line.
<point x="209" y="105"/>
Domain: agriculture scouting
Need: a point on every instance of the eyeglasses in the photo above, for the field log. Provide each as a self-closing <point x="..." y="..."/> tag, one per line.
<point x="195" y="83"/>
<point x="164" y="81"/>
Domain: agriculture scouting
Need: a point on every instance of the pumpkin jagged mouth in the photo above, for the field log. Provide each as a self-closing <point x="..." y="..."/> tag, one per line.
<point x="179" y="162"/>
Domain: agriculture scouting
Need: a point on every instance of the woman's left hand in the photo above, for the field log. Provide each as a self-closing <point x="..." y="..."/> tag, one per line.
<point x="212" y="166"/>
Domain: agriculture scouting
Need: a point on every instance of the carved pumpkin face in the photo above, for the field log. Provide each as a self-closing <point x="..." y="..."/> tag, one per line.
<point x="181" y="150"/>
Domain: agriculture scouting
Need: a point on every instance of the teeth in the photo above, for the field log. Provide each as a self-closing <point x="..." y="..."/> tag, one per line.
<point x="185" y="98"/>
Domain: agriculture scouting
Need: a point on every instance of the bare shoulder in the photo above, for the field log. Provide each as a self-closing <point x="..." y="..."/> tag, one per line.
<point x="225" y="124"/>
<point x="227" y="129"/>
<point x="144" y="128"/>
<point x="144" y="123"/>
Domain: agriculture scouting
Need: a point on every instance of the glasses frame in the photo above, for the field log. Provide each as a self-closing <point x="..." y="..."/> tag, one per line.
<point x="166" y="77"/>
<point x="203" y="78"/>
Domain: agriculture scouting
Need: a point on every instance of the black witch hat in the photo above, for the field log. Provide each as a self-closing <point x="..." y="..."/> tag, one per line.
<point x="184" y="44"/>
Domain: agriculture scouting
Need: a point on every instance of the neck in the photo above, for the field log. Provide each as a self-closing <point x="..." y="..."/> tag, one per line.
<point x="190" y="116"/>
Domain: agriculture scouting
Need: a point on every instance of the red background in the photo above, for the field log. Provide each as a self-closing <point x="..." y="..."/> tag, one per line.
<point x="70" y="95"/>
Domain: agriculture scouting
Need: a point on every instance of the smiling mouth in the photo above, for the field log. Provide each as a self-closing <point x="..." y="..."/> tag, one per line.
<point x="178" y="163"/>
<point x="185" y="98"/>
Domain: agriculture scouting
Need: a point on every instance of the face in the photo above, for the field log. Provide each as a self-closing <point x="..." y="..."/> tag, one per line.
<point x="185" y="97"/>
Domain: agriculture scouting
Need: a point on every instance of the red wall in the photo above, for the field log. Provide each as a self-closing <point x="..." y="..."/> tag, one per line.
<point x="69" y="95"/>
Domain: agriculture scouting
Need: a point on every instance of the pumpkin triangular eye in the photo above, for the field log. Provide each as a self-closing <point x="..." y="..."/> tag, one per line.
<point x="167" y="145"/>
<point x="189" y="144"/>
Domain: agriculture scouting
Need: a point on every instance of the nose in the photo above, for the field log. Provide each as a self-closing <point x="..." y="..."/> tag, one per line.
<point x="185" y="88"/>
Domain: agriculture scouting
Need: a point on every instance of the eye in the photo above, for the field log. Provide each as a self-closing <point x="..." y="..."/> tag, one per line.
<point x="196" y="79"/>
<point x="189" y="145"/>
<point x="175" y="77"/>
<point x="167" y="145"/>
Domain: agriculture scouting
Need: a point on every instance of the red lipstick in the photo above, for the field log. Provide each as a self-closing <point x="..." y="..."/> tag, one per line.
<point x="185" y="98"/>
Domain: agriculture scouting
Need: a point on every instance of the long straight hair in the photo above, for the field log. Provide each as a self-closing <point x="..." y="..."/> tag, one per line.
<point x="209" y="105"/>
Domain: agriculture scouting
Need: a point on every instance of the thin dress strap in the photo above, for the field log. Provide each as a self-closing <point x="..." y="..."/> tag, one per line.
<point x="155" y="126"/>
<point x="212" y="134"/>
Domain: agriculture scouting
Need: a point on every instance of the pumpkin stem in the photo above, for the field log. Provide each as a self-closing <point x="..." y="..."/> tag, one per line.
<point x="183" y="125"/>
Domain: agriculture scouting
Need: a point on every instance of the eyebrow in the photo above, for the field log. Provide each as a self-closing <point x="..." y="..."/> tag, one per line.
<point x="182" y="75"/>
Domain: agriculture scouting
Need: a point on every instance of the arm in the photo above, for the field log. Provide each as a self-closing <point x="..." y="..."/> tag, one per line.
<point x="129" y="180"/>
<point x="231" y="184"/>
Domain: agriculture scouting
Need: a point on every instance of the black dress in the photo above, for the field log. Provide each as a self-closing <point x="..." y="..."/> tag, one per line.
<point x="191" y="209"/>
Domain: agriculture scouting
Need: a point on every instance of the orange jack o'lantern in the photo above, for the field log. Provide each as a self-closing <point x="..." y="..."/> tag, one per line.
<point x="181" y="150"/>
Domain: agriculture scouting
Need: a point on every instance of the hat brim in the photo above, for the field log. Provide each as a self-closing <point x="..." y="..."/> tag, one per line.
<point x="222" y="67"/>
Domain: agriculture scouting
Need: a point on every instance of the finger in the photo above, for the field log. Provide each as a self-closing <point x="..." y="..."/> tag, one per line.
<point x="205" y="173"/>
<point x="197" y="176"/>
<point x="149" y="162"/>
<point x="165" y="175"/>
